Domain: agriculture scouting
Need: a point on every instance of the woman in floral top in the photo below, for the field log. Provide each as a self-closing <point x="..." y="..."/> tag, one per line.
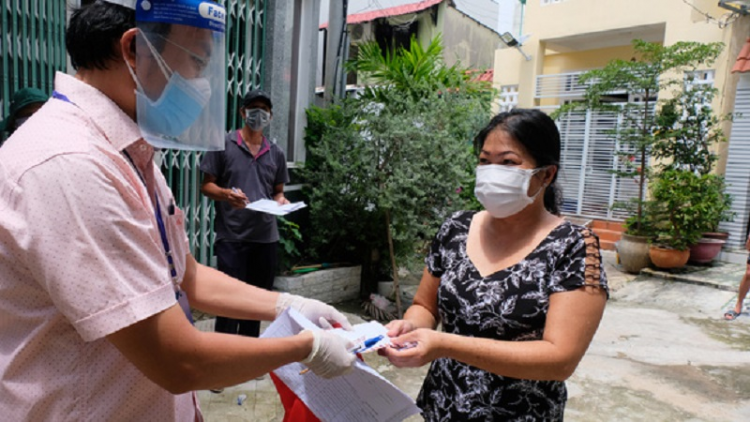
<point x="519" y="291"/>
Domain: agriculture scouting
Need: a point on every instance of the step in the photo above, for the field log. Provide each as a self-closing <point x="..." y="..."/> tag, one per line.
<point x="607" y="245"/>
<point x="608" y="225"/>
<point x="610" y="235"/>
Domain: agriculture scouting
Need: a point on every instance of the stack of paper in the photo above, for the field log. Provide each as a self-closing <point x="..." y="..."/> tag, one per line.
<point x="363" y="395"/>
<point x="272" y="207"/>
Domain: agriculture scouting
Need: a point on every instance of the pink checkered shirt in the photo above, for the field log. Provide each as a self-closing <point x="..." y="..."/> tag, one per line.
<point x="81" y="258"/>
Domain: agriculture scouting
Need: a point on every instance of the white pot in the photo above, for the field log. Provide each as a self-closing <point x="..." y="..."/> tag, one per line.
<point x="385" y="288"/>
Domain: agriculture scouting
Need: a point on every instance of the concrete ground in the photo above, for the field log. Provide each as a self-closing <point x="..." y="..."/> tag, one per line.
<point x="663" y="352"/>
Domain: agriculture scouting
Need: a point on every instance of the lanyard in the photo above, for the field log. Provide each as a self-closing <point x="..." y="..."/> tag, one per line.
<point x="160" y="224"/>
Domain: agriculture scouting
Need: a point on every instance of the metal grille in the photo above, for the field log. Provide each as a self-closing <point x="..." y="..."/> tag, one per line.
<point x="244" y="44"/>
<point x="32" y="47"/>
<point x="508" y="97"/>
<point x="588" y="156"/>
<point x="560" y="85"/>
<point x="737" y="176"/>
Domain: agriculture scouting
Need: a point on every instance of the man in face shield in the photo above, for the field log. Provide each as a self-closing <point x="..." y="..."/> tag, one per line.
<point x="95" y="269"/>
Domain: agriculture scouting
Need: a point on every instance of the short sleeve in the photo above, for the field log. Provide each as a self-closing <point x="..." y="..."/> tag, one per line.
<point x="93" y="245"/>
<point x="282" y="174"/>
<point x="580" y="264"/>
<point x="436" y="257"/>
<point x="213" y="163"/>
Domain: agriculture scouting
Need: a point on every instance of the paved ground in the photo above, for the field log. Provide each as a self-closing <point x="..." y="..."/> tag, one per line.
<point x="662" y="353"/>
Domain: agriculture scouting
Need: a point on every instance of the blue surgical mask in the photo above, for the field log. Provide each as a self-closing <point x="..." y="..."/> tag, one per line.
<point x="178" y="106"/>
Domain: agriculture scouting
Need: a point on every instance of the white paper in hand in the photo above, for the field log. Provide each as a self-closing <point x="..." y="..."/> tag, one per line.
<point x="363" y="395"/>
<point x="270" y="206"/>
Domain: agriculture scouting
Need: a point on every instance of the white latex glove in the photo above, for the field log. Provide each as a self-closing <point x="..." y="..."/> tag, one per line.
<point x="330" y="356"/>
<point x="314" y="310"/>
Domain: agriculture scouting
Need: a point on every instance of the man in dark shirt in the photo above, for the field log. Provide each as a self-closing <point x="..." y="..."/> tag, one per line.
<point x="250" y="168"/>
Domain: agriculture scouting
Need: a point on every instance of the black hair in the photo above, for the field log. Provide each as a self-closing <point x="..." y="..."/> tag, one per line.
<point x="94" y="33"/>
<point x="538" y="134"/>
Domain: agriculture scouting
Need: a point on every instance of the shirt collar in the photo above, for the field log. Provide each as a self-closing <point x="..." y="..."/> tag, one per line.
<point x="142" y="154"/>
<point x="119" y="129"/>
<point x="264" y="147"/>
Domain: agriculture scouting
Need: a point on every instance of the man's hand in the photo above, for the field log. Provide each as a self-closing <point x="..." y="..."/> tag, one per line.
<point x="330" y="356"/>
<point x="236" y="198"/>
<point x="281" y="200"/>
<point x="314" y="310"/>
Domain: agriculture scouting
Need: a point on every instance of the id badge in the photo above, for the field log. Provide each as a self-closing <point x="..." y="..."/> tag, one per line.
<point x="183" y="301"/>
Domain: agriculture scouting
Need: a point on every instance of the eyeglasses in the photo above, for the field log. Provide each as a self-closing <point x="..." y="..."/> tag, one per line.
<point x="200" y="62"/>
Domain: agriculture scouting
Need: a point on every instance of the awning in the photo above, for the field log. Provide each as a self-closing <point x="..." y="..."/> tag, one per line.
<point x="390" y="11"/>
<point x="742" y="64"/>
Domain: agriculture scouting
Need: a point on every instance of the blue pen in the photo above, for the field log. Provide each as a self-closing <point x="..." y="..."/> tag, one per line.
<point x="368" y="343"/>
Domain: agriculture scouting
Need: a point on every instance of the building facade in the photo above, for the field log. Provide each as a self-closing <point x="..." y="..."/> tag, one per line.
<point x="568" y="37"/>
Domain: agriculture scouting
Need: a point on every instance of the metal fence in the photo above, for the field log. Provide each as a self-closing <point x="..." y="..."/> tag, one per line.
<point x="33" y="49"/>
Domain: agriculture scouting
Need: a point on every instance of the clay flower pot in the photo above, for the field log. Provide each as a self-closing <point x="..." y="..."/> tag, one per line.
<point x="705" y="250"/>
<point x="633" y="253"/>
<point x="668" y="258"/>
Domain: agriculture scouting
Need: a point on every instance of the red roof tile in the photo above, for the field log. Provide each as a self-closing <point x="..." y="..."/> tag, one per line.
<point x="390" y="11"/>
<point x="482" y="75"/>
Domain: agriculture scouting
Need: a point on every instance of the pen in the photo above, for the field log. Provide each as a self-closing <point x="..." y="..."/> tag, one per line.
<point x="237" y="192"/>
<point x="368" y="343"/>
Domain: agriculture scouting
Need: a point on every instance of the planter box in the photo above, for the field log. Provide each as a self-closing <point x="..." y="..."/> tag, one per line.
<point x="330" y="285"/>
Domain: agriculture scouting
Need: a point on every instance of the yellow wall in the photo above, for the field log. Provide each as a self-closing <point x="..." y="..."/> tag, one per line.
<point x="584" y="60"/>
<point x="622" y="20"/>
<point x="589" y="21"/>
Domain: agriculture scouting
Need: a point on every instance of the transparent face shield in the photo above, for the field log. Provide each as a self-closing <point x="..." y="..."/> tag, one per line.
<point x="180" y="74"/>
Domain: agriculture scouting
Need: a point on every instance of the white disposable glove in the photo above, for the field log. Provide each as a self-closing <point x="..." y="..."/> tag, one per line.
<point x="314" y="310"/>
<point x="330" y="356"/>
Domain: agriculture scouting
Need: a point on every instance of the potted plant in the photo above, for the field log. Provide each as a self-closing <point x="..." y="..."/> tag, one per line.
<point x="653" y="69"/>
<point x="384" y="169"/>
<point x="674" y="212"/>
<point x="714" y="206"/>
<point x="687" y="130"/>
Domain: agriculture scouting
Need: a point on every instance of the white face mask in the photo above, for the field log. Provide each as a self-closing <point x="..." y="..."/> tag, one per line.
<point x="502" y="190"/>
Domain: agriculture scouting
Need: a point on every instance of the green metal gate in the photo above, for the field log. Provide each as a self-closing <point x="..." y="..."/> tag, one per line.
<point x="244" y="42"/>
<point x="32" y="48"/>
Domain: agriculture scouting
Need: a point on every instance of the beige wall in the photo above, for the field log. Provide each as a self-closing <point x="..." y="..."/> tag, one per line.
<point x="580" y="23"/>
<point x="584" y="60"/>
<point x="467" y="41"/>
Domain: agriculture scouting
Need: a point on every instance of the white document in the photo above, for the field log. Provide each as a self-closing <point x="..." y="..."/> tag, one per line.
<point x="272" y="207"/>
<point x="363" y="395"/>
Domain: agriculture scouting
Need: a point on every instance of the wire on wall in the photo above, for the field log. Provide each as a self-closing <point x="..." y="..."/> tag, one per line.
<point x="723" y="21"/>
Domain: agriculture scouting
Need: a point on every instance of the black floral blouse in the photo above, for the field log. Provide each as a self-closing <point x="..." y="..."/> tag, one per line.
<point x="510" y="304"/>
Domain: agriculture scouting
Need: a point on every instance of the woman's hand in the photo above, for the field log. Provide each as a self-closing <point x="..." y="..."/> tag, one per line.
<point x="414" y="349"/>
<point x="399" y="327"/>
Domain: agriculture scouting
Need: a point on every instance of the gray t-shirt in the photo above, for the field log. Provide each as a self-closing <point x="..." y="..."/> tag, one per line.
<point x="256" y="177"/>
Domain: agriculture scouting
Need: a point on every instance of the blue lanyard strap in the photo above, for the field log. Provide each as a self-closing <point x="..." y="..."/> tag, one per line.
<point x="159" y="223"/>
<point x="164" y="240"/>
<point x="58" y="96"/>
